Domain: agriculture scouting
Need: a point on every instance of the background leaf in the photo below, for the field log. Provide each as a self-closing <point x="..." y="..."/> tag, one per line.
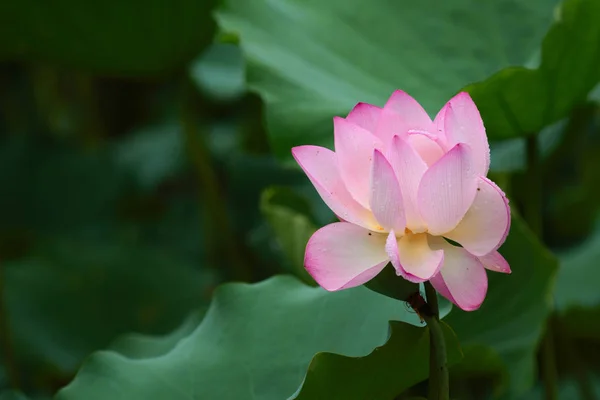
<point x="256" y="340"/>
<point x="312" y="60"/>
<point x="512" y="318"/>
<point x="220" y="72"/>
<point x="520" y="101"/>
<point x="392" y="368"/>
<point x="129" y="287"/>
<point x="389" y="370"/>
<point x="153" y="154"/>
<point x="112" y="37"/>
<point x="576" y="283"/>
<point x="510" y="155"/>
<point x="287" y="214"/>
<point x="138" y="346"/>
<point x="12" y="395"/>
<point x="388" y="283"/>
<point x="107" y="225"/>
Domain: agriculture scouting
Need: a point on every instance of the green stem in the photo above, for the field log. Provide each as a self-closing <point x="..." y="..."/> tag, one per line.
<point x="549" y="373"/>
<point x="6" y="344"/>
<point x="219" y="231"/>
<point x="432" y="299"/>
<point x="532" y="211"/>
<point x="532" y="207"/>
<point x="439" y="381"/>
<point x="574" y="360"/>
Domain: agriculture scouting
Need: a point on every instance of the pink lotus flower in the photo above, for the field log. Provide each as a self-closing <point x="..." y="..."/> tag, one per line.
<point x="401" y="183"/>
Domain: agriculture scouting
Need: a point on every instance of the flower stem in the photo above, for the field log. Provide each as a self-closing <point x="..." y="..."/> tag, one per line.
<point x="532" y="211"/>
<point x="574" y="360"/>
<point x="6" y="343"/>
<point x="549" y="373"/>
<point x="224" y="242"/>
<point x="439" y="381"/>
<point x="532" y="206"/>
<point x="432" y="299"/>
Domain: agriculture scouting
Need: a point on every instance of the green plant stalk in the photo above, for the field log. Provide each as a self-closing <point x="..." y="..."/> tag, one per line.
<point x="549" y="373"/>
<point x="92" y="124"/>
<point x="532" y="207"/>
<point x="6" y="343"/>
<point x="439" y="380"/>
<point x="218" y="225"/>
<point x="532" y="211"/>
<point x="574" y="360"/>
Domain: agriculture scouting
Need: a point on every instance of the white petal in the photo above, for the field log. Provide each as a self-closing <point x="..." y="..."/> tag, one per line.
<point x="400" y="114"/>
<point x="463" y="124"/>
<point x="343" y="255"/>
<point x="447" y="190"/>
<point x="354" y="148"/>
<point x="320" y="165"/>
<point x="365" y="115"/>
<point x="485" y="225"/>
<point x="409" y="169"/>
<point x="462" y="278"/>
<point x="386" y="198"/>
<point x="495" y="262"/>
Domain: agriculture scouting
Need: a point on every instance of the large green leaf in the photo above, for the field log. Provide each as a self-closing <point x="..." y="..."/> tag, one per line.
<point x="577" y="297"/>
<point x="577" y="283"/>
<point x="81" y="294"/>
<point x="112" y="37"/>
<point x="388" y="283"/>
<point x="519" y="101"/>
<point x="256" y="341"/>
<point x="136" y="345"/>
<point x="312" y="60"/>
<point x="511" y="155"/>
<point x="83" y="260"/>
<point x="380" y="375"/>
<point x="512" y="317"/>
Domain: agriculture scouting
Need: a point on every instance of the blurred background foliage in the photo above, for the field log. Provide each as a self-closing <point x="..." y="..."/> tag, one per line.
<point x="145" y="159"/>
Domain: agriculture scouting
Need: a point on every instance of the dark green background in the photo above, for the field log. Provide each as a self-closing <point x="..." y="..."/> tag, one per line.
<point x="145" y="159"/>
